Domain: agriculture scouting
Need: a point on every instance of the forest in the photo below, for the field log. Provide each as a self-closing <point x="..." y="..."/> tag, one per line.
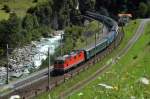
<point x="41" y="19"/>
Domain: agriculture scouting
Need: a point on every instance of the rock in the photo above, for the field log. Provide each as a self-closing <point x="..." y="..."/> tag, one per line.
<point x="15" y="97"/>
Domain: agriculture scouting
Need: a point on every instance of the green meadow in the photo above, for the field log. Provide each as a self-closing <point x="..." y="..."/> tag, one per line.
<point x="18" y="6"/>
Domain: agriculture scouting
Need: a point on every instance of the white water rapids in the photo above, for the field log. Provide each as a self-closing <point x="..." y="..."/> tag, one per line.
<point x="30" y="57"/>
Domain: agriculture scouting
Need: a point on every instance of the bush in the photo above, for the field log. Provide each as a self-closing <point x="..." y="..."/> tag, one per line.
<point x="35" y="1"/>
<point x="148" y="43"/>
<point x="135" y="57"/>
<point x="1" y="52"/>
<point x="6" y="8"/>
<point x="35" y="34"/>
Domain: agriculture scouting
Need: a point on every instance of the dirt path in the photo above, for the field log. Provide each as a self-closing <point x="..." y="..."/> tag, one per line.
<point x="83" y="83"/>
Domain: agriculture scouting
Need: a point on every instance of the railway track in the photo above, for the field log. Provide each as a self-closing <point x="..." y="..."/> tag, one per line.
<point x="83" y="83"/>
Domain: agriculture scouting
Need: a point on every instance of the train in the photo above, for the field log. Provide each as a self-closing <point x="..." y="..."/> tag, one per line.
<point x="76" y="57"/>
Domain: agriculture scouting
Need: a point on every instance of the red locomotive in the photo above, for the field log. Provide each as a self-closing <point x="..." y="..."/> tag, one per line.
<point x="68" y="61"/>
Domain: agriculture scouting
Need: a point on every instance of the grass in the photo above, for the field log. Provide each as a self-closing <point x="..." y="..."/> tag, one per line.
<point x="19" y="6"/>
<point x="129" y="31"/>
<point x="124" y="76"/>
<point x="54" y="93"/>
<point x="3" y="15"/>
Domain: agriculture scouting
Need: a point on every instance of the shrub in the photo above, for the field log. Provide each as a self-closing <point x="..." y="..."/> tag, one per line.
<point x="6" y="8"/>
<point x="148" y="43"/>
<point x="1" y="52"/>
<point x="135" y="57"/>
<point x="35" y="1"/>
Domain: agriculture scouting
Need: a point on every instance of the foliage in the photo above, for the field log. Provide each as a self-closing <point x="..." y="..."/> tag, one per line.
<point x="87" y="5"/>
<point x="143" y="9"/>
<point x="15" y="31"/>
<point x="9" y="30"/>
<point x="30" y="22"/>
<point x="43" y="12"/>
<point x="6" y="8"/>
<point x="1" y="51"/>
<point x="35" y="1"/>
